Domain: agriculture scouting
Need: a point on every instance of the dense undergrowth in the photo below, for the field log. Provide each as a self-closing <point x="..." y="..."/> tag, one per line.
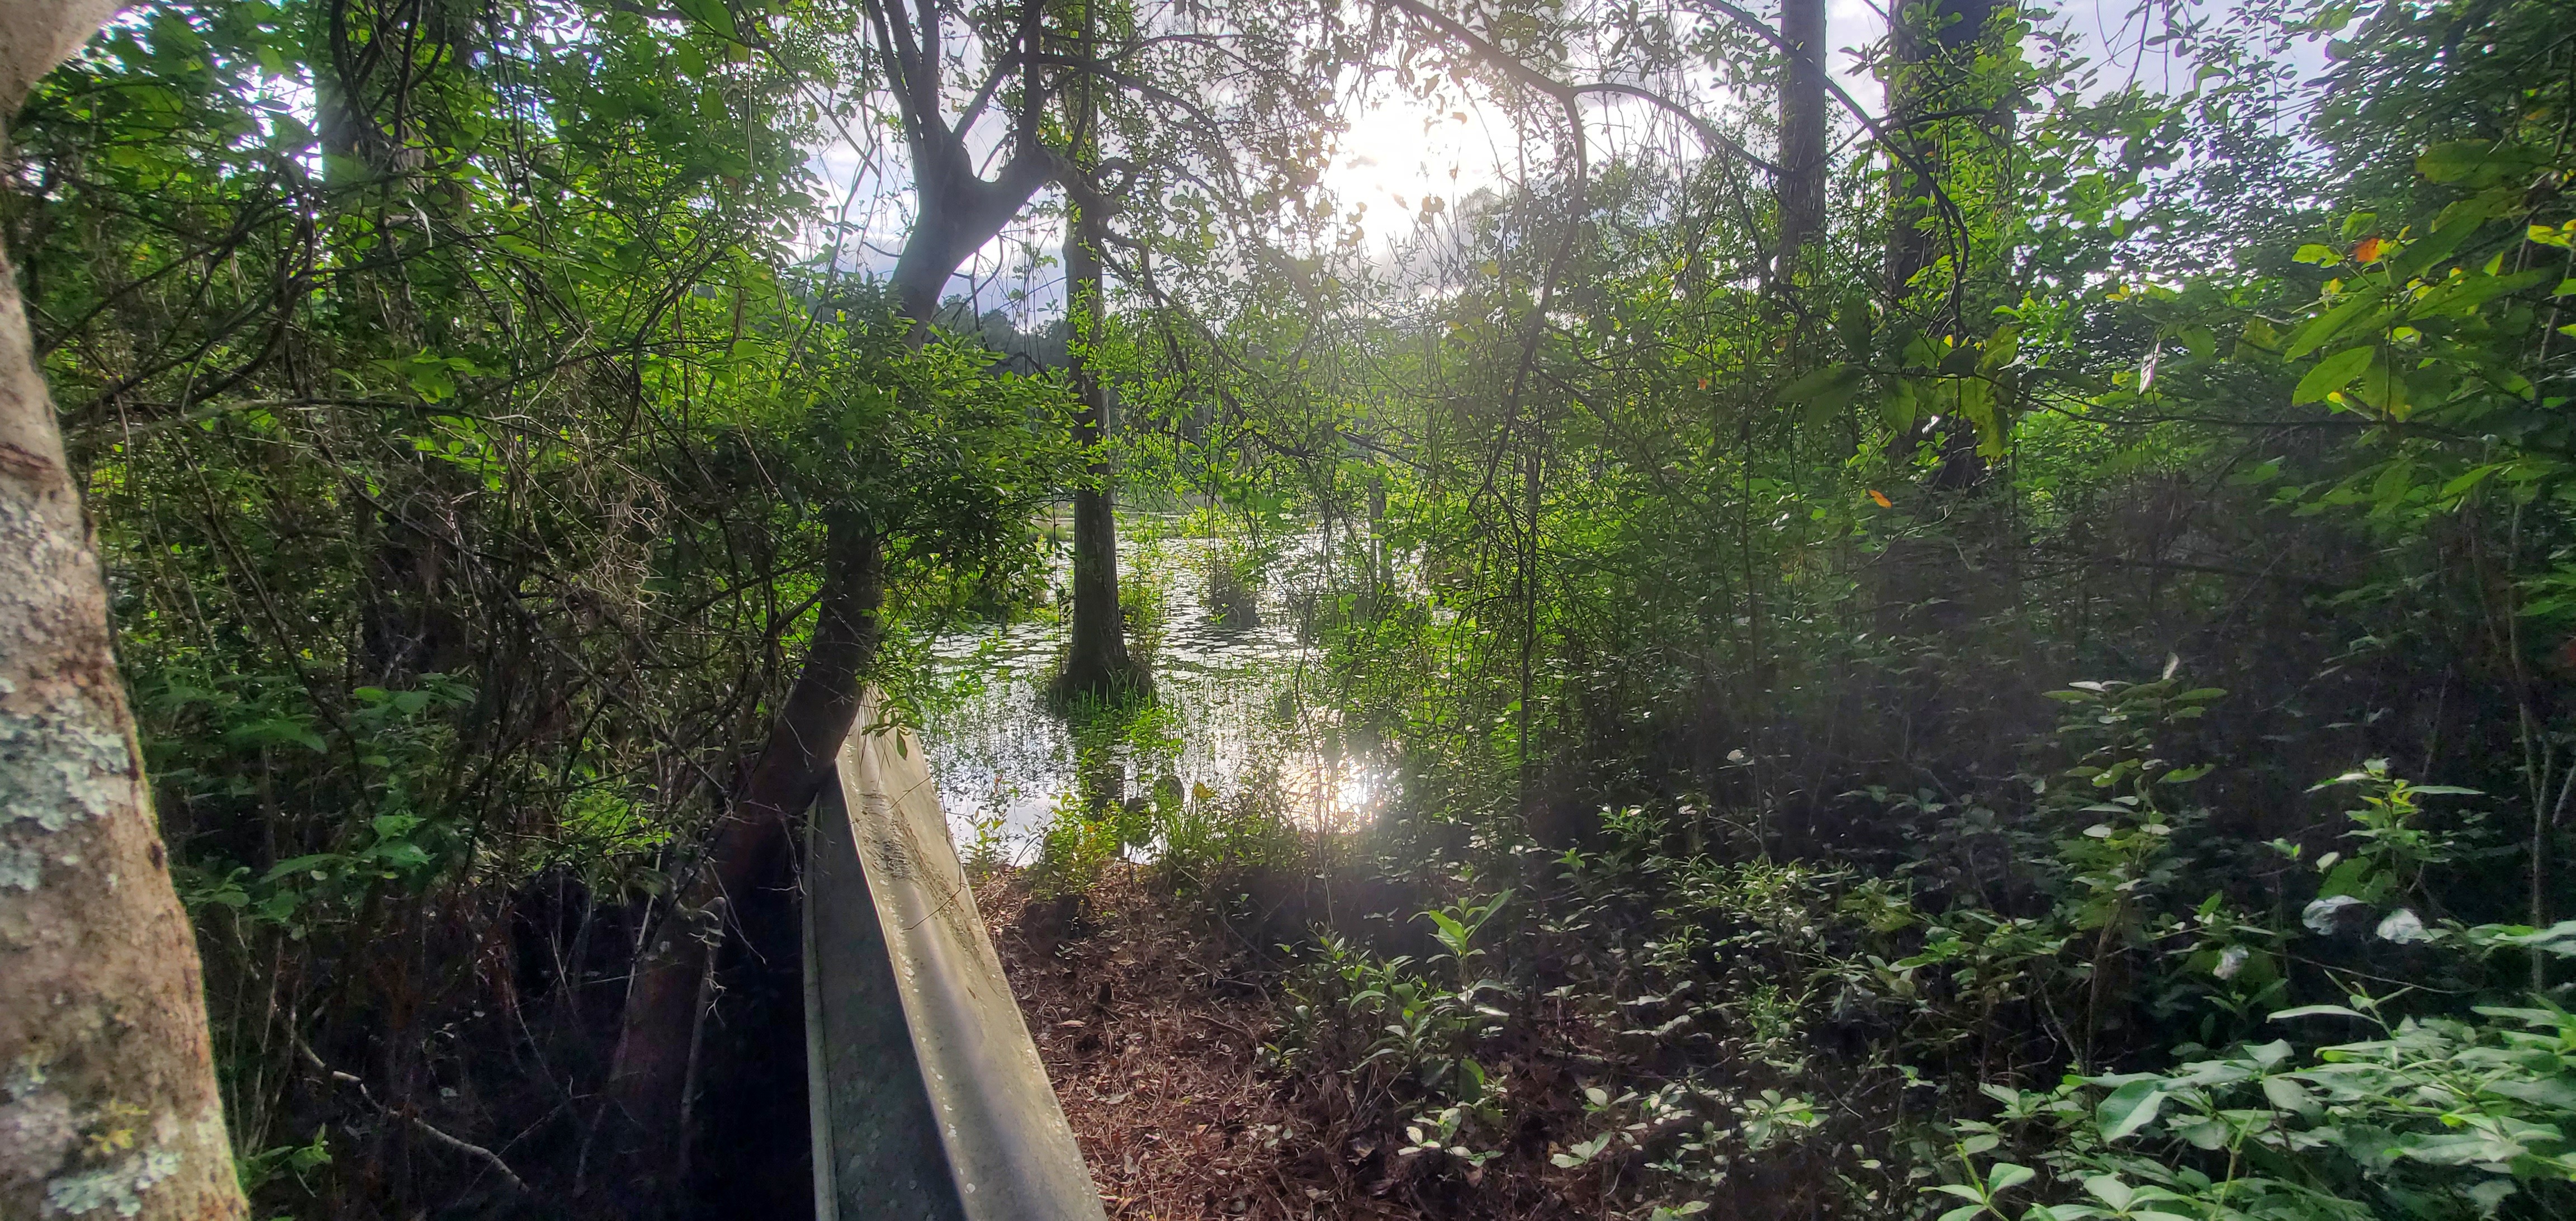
<point x="2138" y="792"/>
<point x="2083" y="1005"/>
<point x="2065" y="997"/>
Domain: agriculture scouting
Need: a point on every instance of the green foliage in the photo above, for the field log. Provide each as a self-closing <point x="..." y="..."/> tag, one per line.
<point x="402" y="839"/>
<point x="1740" y="600"/>
<point x="466" y="397"/>
<point x="2392" y="846"/>
<point x="257" y="1169"/>
<point x="1207" y="844"/>
<point x="1456" y="928"/>
<point x="1403" y="1042"/>
<point x="1234" y="582"/>
<point x="462" y="407"/>
<point x="1098" y="822"/>
<point x="1751" y="975"/>
<point x="1077" y="845"/>
<point x="2439" y="1117"/>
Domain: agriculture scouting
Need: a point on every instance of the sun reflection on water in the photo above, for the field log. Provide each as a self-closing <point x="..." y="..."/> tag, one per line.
<point x="1236" y="714"/>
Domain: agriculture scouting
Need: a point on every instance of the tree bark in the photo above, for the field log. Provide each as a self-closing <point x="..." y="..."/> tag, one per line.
<point x="1096" y="662"/>
<point x="1802" y="132"/>
<point x="37" y="34"/>
<point x="959" y="213"/>
<point x="108" y="1099"/>
<point x="649" y="1079"/>
<point x="1932" y="65"/>
<point x="649" y="1076"/>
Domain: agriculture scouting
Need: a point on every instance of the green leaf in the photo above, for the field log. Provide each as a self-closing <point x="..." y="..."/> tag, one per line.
<point x="2453" y="160"/>
<point x="2460" y="296"/>
<point x="2332" y="374"/>
<point x="393" y="826"/>
<point x="276" y="731"/>
<point x="2351" y="877"/>
<point x="1826" y="392"/>
<point x="2555" y="1093"/>
<point x="2129" y="1108"/>
<point x="713" y="15"/>
<point x="2470" y="479"/>
<point x="2479" y="163"/>
<point x="2301" y="1011"/>
<point x="1808" y="387"/>
<point x="299" y="864"/>
<point x="2287" y="1094"/>
<point x="2457" y="1148"/>
<point x="2456" y="225"/>
<point x="2203" y="1132"/>
<point x="2003" y="1176"/>
<point x="2331" y="323"/>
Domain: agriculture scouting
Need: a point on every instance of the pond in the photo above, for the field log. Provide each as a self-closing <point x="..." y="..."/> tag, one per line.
<point x="1237" y="707"/>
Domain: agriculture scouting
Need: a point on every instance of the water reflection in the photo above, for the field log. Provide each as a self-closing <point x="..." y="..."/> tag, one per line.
<point x="1235" y="708"/>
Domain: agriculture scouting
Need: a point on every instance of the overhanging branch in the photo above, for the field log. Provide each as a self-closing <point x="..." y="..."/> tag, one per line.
<point x="1565" y="94"/>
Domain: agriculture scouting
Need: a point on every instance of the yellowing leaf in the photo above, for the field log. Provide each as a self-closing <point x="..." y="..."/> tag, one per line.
<point x="1881" y="498"/>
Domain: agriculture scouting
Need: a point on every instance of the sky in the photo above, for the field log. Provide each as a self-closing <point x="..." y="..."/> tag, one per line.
<point x="1401" y="150"/>
<point x="1405" y="150"/>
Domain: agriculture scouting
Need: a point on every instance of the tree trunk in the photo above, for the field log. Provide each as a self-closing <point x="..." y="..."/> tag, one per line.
<point x="649" y="1079"/>
<point x="649" y="1076"/>
<point x="1933" y="63"/>
<point x="37" y="34"/>
<point x="108" y="1100"/>
<point x="1931" y="66"/>
<point x="1802" y="132"/>
<point x="1096" y="663"/>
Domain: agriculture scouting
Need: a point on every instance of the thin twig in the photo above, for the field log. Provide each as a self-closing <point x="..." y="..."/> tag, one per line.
<point x="460" y="1145"/>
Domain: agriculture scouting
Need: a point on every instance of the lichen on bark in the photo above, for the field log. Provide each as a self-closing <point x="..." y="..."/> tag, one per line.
<point x="108" y="1104"/>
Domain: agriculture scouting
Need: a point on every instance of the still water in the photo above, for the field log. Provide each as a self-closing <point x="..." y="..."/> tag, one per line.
<point x="1237" y="707"/>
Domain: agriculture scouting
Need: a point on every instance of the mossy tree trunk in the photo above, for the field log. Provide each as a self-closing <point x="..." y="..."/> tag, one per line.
<point x="1932" y="103"/>
<point x="108" y="1100"/>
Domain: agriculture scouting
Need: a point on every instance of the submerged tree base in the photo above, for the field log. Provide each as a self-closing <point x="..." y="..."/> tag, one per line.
<point x="1085" y="691"/>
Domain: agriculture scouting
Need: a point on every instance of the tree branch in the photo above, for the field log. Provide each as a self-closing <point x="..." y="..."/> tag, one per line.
<point x="1565" y="94"/>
